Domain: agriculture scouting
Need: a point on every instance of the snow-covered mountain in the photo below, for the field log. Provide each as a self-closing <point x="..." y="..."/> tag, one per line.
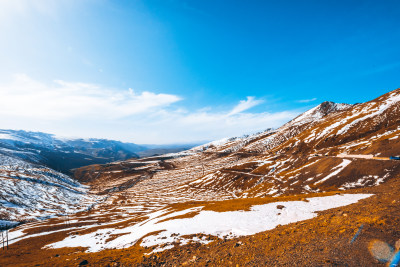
<point x="63" y="154"/>
<point x="251" y="189"/>
<point x="270" y="138"/>
<point x="332" y="146"/>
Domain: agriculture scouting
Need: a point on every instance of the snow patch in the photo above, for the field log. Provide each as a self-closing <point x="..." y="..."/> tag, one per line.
<point x="338" y="169"/>
<point x="222" y="224"/>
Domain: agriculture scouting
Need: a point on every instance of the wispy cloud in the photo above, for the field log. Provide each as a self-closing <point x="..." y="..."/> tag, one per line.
<point x="89" y="110"/>
<point x="25" y="97"/>
<point x="307" y="100"/>
<point x="245" y="105"/>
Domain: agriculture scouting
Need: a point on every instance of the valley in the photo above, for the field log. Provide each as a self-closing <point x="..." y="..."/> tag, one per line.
<point x="297" y="195"/>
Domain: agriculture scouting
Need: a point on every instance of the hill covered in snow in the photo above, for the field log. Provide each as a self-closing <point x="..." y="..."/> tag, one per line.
<point x="32" y="191"/>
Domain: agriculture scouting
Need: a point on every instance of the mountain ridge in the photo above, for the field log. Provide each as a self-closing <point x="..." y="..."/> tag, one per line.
<point x="65" y="154"/>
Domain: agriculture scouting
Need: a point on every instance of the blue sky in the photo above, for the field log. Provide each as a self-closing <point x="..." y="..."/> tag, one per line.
<point x="176" y="71"/>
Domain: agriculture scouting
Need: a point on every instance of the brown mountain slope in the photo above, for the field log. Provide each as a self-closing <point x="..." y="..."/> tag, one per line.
<point x="302" y="156"/>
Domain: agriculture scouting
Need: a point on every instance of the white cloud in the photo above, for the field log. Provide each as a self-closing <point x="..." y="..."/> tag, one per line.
<point x="218" y="125"/>
<point x="25" y="97"/>
<point x="180" y="127"/>
<point x="245" y="105"/>
<point x="307" y="100"/>
<point x="88" y="110"/>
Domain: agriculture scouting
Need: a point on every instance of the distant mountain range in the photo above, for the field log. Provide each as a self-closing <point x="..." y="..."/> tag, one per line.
<point x="63" y="154"/>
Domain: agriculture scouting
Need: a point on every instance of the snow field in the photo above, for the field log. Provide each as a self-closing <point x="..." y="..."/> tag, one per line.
<point x="222" y="224"/>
